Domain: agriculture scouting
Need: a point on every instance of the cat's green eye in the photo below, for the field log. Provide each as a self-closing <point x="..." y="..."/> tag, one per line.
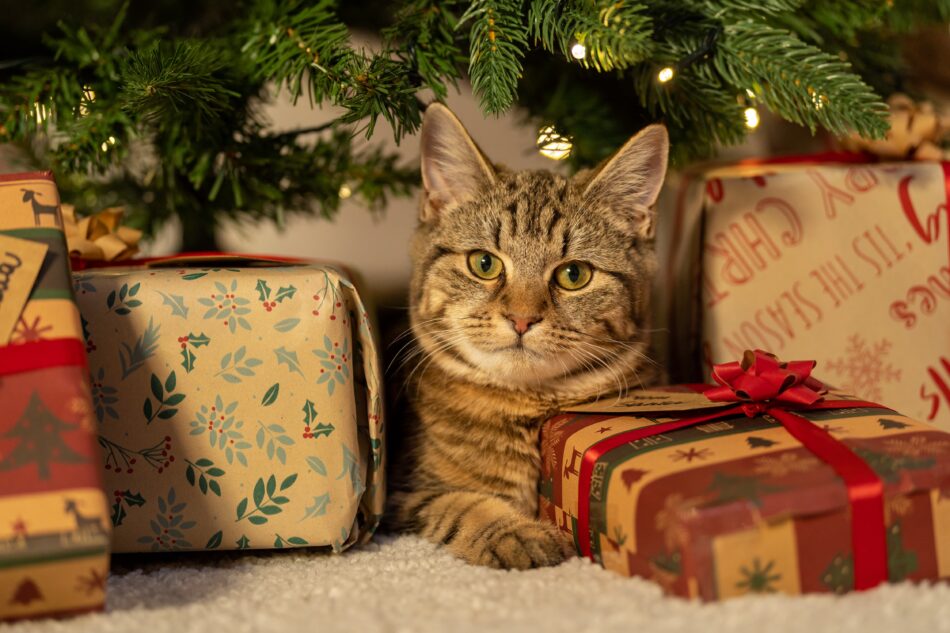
<point x="573" y="275"/>
<point x="484" y="265"/>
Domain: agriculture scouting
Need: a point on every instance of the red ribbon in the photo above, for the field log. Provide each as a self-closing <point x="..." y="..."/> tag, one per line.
<point x="57" y="352"/>
<point x="761" y="384"/>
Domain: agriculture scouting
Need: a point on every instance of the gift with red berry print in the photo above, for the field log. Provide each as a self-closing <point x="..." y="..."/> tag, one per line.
<point x="765" y="482"/>
<point x="54" y="527"/>
<point x="828" y="257"/>
<point x="237" y="400"/>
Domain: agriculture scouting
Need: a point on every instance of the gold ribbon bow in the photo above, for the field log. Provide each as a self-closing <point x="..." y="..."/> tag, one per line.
<point x="917" y="132"/>
<point x="100" y="236"/>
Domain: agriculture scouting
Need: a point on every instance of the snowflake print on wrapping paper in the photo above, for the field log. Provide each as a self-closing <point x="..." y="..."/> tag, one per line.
<point x="691" y="454"/>
<point x="169" y="525"/>
<point x="227" y="306"/>
<point x="334" y="361"/>
<point x="103" y="397"/>
<point x="95" y="582"/>
<point x="759" y="579"/>
<point x="864" y="368"/>
<point x="29" y="332"/>
<point x="223" y="429"/>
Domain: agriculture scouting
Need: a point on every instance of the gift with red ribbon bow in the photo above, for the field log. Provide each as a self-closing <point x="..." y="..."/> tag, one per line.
<point x="765" y="481"/>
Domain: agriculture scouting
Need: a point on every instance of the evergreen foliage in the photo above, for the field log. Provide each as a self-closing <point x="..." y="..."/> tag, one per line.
<point x="164" y="116"/>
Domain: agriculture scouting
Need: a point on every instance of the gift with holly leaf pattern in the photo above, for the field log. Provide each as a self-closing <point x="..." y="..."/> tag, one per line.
<point x="765" y="482"/>
<point x="54" y="527"/>
<point x="237" y="401"/>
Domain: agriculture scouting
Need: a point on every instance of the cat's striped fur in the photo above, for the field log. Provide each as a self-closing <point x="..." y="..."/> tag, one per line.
<point x="479" y="385"/>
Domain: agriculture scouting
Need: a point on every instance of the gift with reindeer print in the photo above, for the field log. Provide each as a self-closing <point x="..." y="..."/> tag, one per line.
<point x="237" y="401"/>
<point x="54" y="526"/>
<point x="764" y="482"/>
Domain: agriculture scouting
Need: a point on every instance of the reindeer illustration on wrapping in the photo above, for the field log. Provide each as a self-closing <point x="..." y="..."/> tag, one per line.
<point x="40" y="209"/>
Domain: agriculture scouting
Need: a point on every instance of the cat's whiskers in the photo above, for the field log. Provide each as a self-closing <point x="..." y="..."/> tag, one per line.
<point x="412" y="340"/>
<point x="431" y="354"/>
<point x="618" y="376"/>
<point x="630" y="345"/>
<point x="423" y="353"/>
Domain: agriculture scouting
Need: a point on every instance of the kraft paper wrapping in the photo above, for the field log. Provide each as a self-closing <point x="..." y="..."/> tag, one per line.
<point x="848" y="264"/>
<point x="238" y="407"/>
<point x="54" y="528"/>
<point x="736" y="506"/>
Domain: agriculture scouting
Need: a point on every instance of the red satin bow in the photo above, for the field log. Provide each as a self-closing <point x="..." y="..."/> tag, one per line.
<point x="761" y="378"/>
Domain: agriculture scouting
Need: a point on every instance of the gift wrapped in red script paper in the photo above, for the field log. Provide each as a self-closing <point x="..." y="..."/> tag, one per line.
<point x="765" y="482"/>
<point x="830" y="258"/>
<point x="54" y="526"/>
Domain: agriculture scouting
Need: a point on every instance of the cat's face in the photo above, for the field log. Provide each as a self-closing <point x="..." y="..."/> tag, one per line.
<point x="530" y="279"/>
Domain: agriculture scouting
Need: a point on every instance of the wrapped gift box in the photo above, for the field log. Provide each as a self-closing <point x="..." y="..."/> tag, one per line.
<point x="727" y="504"/>
<point x="237" y="401"/>
<point x="826" y="258"/>
<point x="54" y="527"/>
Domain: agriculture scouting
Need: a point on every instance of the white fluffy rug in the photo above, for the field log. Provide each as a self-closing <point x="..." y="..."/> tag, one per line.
<point x="406" y="585"/>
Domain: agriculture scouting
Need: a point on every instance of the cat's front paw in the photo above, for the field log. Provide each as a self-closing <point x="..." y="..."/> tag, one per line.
<point x="525" y="545"/>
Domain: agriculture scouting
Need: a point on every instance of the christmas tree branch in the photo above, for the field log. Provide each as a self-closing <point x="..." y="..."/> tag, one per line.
<point x="498" y="39"/>
<point x="424" y="37"/>
<point x="798" y="81"/>
<point x="615" y="35"/>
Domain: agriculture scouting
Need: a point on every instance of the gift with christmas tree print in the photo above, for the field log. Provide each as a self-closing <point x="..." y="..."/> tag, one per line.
<point x="237" y="401"/>
<point x="766" y="482"/>
<point x="836" y="258"/>
<point x="54" y="532"/>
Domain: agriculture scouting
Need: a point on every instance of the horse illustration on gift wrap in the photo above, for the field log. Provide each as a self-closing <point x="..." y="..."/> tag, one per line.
<point x="40" y="209"/>
<point x="87" y="531"/>
<point x="85" y="526"/>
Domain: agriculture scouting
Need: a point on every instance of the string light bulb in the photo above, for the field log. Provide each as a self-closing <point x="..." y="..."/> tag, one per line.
<point x="578" y="51"/>
<point x="40" y="112"/>
<point x="345" y="191"/>
<point x="751" y="118"/>
<point x="552" y="144"/>
<point x="665" y="74"/>
<point x="88" y="96"/>
<point x="106" y="143"/>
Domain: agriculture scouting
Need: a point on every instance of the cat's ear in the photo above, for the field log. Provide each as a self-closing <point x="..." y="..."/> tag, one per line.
<point x="454" y="170"/>
<point x="627" y="186"/>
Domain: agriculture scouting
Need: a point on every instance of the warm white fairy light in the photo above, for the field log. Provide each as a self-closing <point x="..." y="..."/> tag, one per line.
<point x="665" y="75"/>
<point x="88" y="96"/>
<point x="552" y="144"/>
<point x="578" y="51"/>
<point x="40" y="112"/>
<point x="751" y="118"/>
<point x="106" y="143"/>
<point x="345" y="191"/>
<point x="749" y="93"/>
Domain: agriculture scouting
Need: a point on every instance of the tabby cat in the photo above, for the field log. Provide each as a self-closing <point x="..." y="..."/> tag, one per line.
<point x="529" y="290"/>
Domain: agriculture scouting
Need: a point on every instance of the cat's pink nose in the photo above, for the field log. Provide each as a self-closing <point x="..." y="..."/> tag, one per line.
<point x="522" y="323"/>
